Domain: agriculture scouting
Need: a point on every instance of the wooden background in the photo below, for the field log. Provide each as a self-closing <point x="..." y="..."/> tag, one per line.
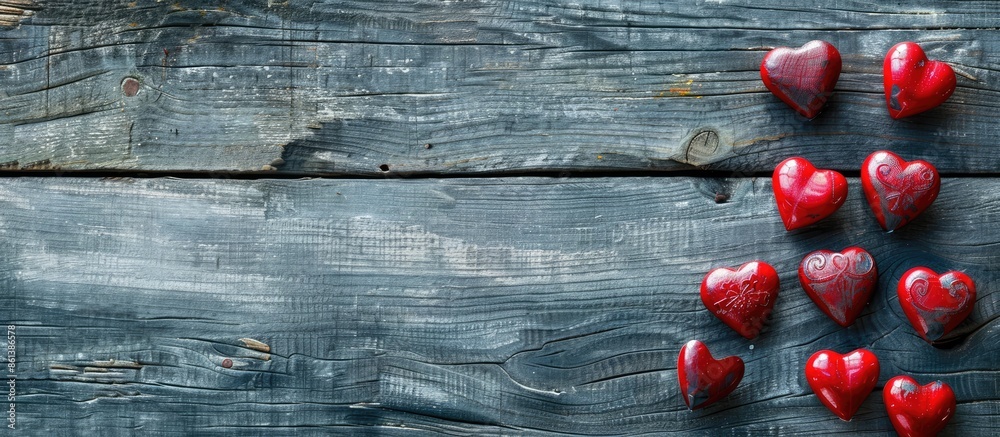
<point x="462" y="217"/>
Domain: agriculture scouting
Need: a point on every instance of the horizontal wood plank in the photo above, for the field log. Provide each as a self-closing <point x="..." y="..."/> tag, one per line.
<point x="515" y="306"/>
<point x="481" y="87"/>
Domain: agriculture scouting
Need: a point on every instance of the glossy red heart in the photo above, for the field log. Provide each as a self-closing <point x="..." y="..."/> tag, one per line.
<point x="917" y="411"/>
<point x="897" y="190"/>
<point x="839" y="283"/>
<point x="804" y="77"/>
<point x="742" y="298"/>
<point x="934" y="304"/>
<point x="842" y="382"/>
<point x="704" y="379"/>
<point x="914" y="84"/>
<point x="804" y="194"/>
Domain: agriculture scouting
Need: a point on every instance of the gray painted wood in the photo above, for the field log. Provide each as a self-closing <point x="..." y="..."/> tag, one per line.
<point x="352" y="87"/>
<point x="543" y="306"/>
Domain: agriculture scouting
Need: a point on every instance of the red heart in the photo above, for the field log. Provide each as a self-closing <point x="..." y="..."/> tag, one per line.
<point x="898" y="191"/>
<point x="741" y="298"/>
<point x="840" y="283"/>
<point x="704" y="379"/>
<point x="804" y="194"/>
<point x="917" y="411"/>
<point x="804" y="77"/>
<point x="914" y="84"/>
<point x="842" y="382"/>
<point x="935" y="304"/>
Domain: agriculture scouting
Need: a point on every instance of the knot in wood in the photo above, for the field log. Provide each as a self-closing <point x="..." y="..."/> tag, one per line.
<point x="704" y="144"/>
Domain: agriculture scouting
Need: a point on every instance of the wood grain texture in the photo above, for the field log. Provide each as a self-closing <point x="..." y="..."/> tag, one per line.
<point x="515" y="306"/>
<point x="362" y="87"/>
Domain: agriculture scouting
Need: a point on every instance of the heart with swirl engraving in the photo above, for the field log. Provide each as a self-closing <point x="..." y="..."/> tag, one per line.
<point x="703" y="378"/>
<point x="935" y="304"/>
<point x="805" y="194"/>
<point x="840" y="283"/>
<point x="842" y="382"/>
<point x="741" y="298"/>
<point x="915" y="410"/>
<point x="803" y="78"/>
<point x="896" y="190"/>
<point x="914" y="84"/>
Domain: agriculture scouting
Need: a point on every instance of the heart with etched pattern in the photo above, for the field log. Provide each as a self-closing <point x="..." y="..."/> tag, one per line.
<point x="935" y="304"/>
<point x="742" y="298"/>
<point x="896" y="190"/>
<point x="840" y="283"/>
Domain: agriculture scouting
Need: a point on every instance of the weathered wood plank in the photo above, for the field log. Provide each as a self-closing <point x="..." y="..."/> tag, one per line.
<point x="355" y="87"/>
<point x="463" y="306"/>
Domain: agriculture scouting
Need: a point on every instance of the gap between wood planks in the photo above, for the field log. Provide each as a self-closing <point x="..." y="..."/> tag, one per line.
<point x="389" y="175"/>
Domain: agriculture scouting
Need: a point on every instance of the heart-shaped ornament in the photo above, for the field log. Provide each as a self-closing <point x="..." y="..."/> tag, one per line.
<point x="703" y="378"/>
<point x="842" y="382"/>
<point x="935" y="304"/>
<point x="742" y="298"/>
<point x="840" y="283"/>
<point x="896" y="190"/>
<point x="914" y="84"/>
<point x="917" y="411"/>
<point x="804" y="194"/>
<point x="804" y="77"/>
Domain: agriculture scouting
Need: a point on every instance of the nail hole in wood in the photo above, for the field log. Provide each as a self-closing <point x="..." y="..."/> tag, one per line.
<point x="384" y="167"/>
<point x="130" y="86"/>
